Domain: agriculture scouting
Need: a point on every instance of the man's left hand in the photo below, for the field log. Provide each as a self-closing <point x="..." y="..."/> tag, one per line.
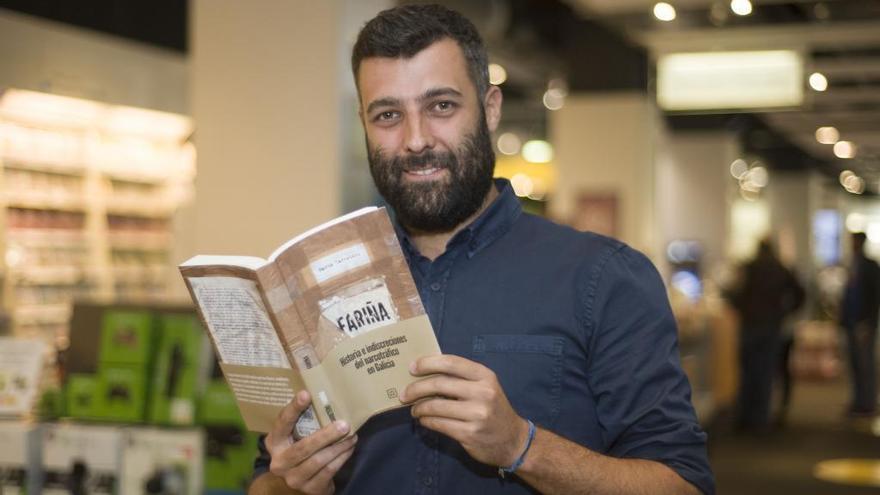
<point x="463" y="400"/>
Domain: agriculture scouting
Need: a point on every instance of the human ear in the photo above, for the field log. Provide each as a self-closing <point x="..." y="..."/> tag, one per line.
<point x="492" y="104"/>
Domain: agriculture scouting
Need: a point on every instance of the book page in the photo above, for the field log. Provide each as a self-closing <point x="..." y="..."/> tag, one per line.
<point x="238" y="322"/>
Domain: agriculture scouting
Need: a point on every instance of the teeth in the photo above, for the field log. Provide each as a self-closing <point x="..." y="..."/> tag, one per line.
<point x="426" y="171"/>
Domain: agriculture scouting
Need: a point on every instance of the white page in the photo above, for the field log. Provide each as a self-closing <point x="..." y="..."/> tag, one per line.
<point x="239" y="322"/>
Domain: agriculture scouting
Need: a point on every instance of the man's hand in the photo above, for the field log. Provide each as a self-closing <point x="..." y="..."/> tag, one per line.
<point x="463" y="400"/>
<point x="307" y="465"/>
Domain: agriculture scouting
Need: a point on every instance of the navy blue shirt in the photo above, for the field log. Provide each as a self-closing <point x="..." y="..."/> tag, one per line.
<point x="578" y="330"/>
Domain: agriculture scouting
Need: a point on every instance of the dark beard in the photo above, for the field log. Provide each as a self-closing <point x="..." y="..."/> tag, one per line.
<point x="438" y="206"/>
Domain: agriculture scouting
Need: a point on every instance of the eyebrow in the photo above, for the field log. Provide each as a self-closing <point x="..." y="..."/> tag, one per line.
<point x="427" y="95"/>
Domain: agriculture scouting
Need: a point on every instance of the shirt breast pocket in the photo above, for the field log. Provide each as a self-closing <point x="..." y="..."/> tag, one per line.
<point x="529" y="368"/>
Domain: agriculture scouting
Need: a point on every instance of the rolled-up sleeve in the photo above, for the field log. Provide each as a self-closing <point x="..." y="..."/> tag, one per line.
<point x="643" y="396"/>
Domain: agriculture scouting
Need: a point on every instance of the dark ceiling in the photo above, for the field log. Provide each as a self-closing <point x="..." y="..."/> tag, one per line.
<point x="161" y="23"/>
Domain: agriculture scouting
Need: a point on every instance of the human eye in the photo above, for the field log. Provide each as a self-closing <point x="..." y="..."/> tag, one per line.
<point x="386" y="117"/>
<point x="443" y="107"/>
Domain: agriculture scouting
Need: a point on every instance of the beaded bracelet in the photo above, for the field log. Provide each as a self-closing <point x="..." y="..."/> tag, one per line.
<point x="502" y="471"/>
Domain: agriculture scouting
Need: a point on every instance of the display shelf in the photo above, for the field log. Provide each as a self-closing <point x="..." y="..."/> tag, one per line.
<point x="35" y="201"/>
<point x="146" y="241"/>
<point x="38" y="314"/>
<point x="47" y="275"/>
<point x="86" y="204"/>
<point x="60" y="238"/>
<point x="76" y="169"/>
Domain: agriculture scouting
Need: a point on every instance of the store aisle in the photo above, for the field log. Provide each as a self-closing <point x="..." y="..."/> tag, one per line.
<point x="782" y="462"/>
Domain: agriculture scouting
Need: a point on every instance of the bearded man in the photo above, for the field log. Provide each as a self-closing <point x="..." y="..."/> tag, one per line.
<point x="560" y="369"/>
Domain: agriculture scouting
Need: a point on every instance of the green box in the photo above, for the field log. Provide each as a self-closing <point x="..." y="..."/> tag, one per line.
<point x="126" y="337"/>
<point x="217" y="406"/>
<point x="178" y="370"/>
<point x="229" y="458"/>
<point x="121" y="394"/>
<point x="81" y="395"/>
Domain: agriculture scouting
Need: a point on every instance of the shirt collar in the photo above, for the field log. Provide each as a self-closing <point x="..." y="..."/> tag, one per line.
<point x="495" y="220"/>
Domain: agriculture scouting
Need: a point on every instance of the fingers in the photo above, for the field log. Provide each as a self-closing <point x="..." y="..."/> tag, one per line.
<point x="450" y="387"/>
<point x="319" y="468"/>
<point x="286" y="420"/>
<point x="437" y="385"/>
<point x="309" y="446"/>
<point x="450" y="365"/>
<point x="324" y="477"/>
<point x="452" y="409"/>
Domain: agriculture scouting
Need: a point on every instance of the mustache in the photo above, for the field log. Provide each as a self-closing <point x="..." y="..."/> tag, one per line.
<point x="424" y="160"/>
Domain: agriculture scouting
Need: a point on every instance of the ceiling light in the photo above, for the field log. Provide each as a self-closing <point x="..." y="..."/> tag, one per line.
<point x="738" y="168"/>
<point x="855" y="184"/>
<point x="741" y="7"/>
<point x="827" y="135"/>
<point x="553" y="100"/>
<point x="844" y="176"/>
<point x="664" y="12"/>
<point x="855" y="222"/>
<point x="537" y="151"/>
<point x="497" y="74"/>
<point x="844" y="149"/>
<point x="759" y="176"/>
<point x="522" y="185"/>
<point x="509" y="143"/>
<point x="818" y="81"/>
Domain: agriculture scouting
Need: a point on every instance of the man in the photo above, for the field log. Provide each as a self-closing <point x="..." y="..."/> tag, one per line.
<point x="858" y="317"/>
<point x="767" y="293"/>
<point x="560" y="358"/>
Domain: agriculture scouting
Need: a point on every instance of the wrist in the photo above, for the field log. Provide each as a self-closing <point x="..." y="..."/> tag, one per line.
<point x="521" y="453"/>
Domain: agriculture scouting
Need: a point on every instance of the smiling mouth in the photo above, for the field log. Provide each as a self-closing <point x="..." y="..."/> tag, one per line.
<point x="424" y="171"/>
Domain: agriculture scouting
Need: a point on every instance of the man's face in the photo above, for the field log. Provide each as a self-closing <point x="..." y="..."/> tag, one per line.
<point x="428" y="136"/>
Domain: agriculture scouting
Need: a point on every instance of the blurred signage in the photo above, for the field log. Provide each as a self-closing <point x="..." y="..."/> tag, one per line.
<point x="730" y="80"/>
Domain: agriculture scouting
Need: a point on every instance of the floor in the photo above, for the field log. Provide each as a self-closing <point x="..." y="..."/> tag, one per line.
<point x="782" y="461"/>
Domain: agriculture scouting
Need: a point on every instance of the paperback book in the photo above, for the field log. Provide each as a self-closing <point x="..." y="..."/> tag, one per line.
<point x="333" y="310"/>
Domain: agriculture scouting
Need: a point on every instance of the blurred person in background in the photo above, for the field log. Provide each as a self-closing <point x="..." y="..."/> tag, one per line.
<point x="858" y="317"/>
<point x="560" y="358"/>
<point x="766" y="293"/>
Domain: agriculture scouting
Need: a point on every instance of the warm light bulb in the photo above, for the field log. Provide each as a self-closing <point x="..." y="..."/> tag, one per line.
<point x="738" y="168"/>
<point x="664" y="12"/>
<point x="844" y="149"/>
<point x="509" y="143"/>
<point x="827" y="135"/>
<point x="497" y="74"/>
<point x="818" y="81"/>
<point x="537" y="151"/>
<point x="741" y="7"/>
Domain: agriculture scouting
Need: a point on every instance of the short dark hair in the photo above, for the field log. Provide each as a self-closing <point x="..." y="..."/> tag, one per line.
<point x="403" y="32"/>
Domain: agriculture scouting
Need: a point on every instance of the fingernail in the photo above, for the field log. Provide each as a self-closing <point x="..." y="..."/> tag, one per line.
<point x="302" y="397"/>
<point x="342" y="426"/>
<point x="412" y="367"/>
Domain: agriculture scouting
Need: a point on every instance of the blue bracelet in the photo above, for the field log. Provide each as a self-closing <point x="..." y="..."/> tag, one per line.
<point x="502" y="471"/>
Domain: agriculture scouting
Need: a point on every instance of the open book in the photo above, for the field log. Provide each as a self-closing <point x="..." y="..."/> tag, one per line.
<point x="334" y="310"/>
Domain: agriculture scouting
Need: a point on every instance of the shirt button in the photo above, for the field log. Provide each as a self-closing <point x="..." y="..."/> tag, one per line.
<point x="435" y="286"/>
<point x="429" y="481"/>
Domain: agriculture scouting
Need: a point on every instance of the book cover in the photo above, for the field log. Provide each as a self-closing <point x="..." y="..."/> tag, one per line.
<point x="334" y="310"/>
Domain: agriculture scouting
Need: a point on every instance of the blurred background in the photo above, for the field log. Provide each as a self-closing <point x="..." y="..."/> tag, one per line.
<point x="135" y="134"/>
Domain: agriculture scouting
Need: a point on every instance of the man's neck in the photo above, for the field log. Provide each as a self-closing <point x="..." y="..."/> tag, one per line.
<point x="432" y="244"/>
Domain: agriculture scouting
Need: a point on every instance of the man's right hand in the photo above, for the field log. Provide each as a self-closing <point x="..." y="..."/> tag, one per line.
<point x="307" y="465"/>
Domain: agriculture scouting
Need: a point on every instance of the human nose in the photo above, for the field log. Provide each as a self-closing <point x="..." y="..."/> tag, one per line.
<point x="418" y="135"/>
